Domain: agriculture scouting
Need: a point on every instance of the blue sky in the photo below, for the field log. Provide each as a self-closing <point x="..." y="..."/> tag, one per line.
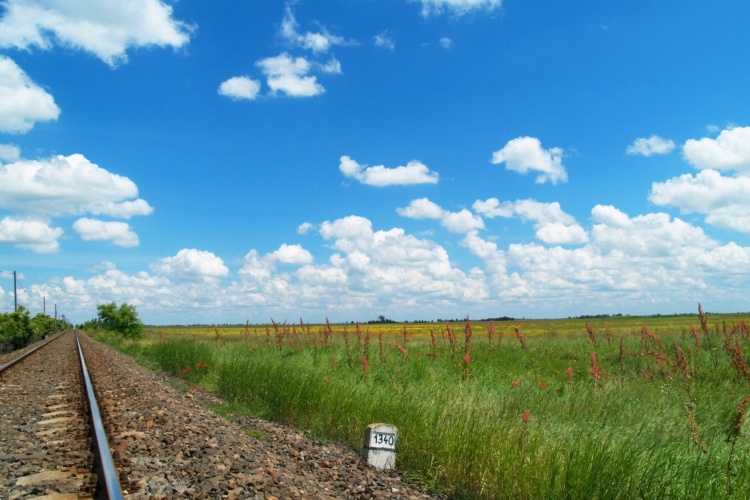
<point x="223" y="161"/>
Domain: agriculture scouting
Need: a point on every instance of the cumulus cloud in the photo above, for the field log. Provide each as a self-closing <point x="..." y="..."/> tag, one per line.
<point x="240" y="87"/>
<point x="261" y="267"/>
<point x="119" y="233"/>
<point x="414" y="172"/>
<point x="631" y="263"/>
<point x="526" y="153"/>
<point x="192" y="265"/>
<point x="552" y="224"/>
<point x="68" y="185"/>
<point x="458" y="7"/>
<point x="393" y="265"/>
<point x="317" y="42"/>
<point x="22" y="102"/>
<point x="106" y="28"/>
<point x="654" y="145"/>
<point x="30" y="234"/>
<point x="369" y="272"/>
<point x="290" y="76"/>
<point x="729" y="151"/>
<point x="455" y="222"/>
<point x="724" y="200"/>
<point x="646" y="259"/>
<point x="291" y="254"/>
<point x="305" y="228"/>
<point x="385" y="40"/>
<point x="332" y="66"/>
<point x="446" y="42"/>
<point x="9" y="152"/>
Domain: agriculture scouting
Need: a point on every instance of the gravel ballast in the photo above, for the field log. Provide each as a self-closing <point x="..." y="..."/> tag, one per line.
<point x="44" y="449"/>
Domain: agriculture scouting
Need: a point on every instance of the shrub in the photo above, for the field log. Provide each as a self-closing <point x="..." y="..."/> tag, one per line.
<point x="123" y="320"/>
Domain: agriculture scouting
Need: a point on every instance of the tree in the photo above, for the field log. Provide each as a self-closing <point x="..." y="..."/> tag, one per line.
<point x="123" y="320"/>
<point x="42" y="324"/>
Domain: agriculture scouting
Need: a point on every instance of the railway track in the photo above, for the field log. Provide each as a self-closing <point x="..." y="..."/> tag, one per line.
<point x="52" y="440"/>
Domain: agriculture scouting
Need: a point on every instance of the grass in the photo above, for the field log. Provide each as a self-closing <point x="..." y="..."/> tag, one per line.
<point x="508" y="421"/>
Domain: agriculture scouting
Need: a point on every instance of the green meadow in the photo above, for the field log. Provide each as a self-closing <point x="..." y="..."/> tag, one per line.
<point x="626" y="408"/>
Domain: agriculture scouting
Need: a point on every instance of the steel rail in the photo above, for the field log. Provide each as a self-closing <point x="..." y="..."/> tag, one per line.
<point x="29" y="353"/>
<point x="108" y="485"/>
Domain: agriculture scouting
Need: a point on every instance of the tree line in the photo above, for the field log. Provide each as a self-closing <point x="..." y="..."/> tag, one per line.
<point x="19" y="328"/>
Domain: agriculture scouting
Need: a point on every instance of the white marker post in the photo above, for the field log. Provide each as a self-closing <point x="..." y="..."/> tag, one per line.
<point x="379" y="446"/>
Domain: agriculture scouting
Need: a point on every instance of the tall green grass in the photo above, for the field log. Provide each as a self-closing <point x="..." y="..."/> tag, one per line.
<point x="628" y="437"/>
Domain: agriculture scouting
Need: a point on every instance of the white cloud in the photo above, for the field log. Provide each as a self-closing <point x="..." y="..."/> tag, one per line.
<point x="421" y="208"/>
<point x="644" y="263"/>
<point x="68" y="185"/>
<point x="385" y="40"/>
<point x="729" y="151"/>
<point x="552" y="224"/>
<point x="22" y="102"/>
<point x="414" y="172"/>
<point x="461" y="222"/>
<point x="333" y="66"/>
<point x="370" y="273"/>
<point x="446" y="42"/>
<point x="305" y="228"/>
<point x="368" y="268"/>
<point x="652" y="235"/>
<point x="9" y="152"/>
<point x="643" y="260"/>
<point x="291" y="254"/>
<point x="119" y="233"/>
<point x="240" y="87"/>
<point x="290" y="76"/>
<point x="106" y="28"/>
<point x="192" y="265"/>
<point x="654" y="145"/>
<point x="458" y="7"/>
<point x="455" y="222"/>
<point x="260" y="268"/>
<point x="30" y="234"/>
<point x="396" y="266"/>
<point x="526" y="153"/>
<point x="317" y="42"/>
<point x="725" y="200"/>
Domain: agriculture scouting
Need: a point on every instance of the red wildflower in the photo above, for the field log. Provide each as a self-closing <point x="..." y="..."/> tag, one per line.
<point x="525" y="416"/>
<point x="467" y="358"/>
<point x="569" y="371"/>
<point x="542" y="385"/>
<point x="595" y="369"/>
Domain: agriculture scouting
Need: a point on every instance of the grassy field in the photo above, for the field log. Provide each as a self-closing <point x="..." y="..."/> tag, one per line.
<point x="552" y="410"/>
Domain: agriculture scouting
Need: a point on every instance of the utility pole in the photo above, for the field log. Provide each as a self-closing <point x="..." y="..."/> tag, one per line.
<point x="15" y="292"/>
<point x="45" y="305"/>
<point x="55" y="317"/>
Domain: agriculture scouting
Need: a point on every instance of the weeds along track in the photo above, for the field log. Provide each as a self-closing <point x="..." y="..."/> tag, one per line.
<point x="47" y="427"/>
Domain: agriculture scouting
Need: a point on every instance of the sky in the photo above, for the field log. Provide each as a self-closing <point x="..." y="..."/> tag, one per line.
<point x="217" y="162"/>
